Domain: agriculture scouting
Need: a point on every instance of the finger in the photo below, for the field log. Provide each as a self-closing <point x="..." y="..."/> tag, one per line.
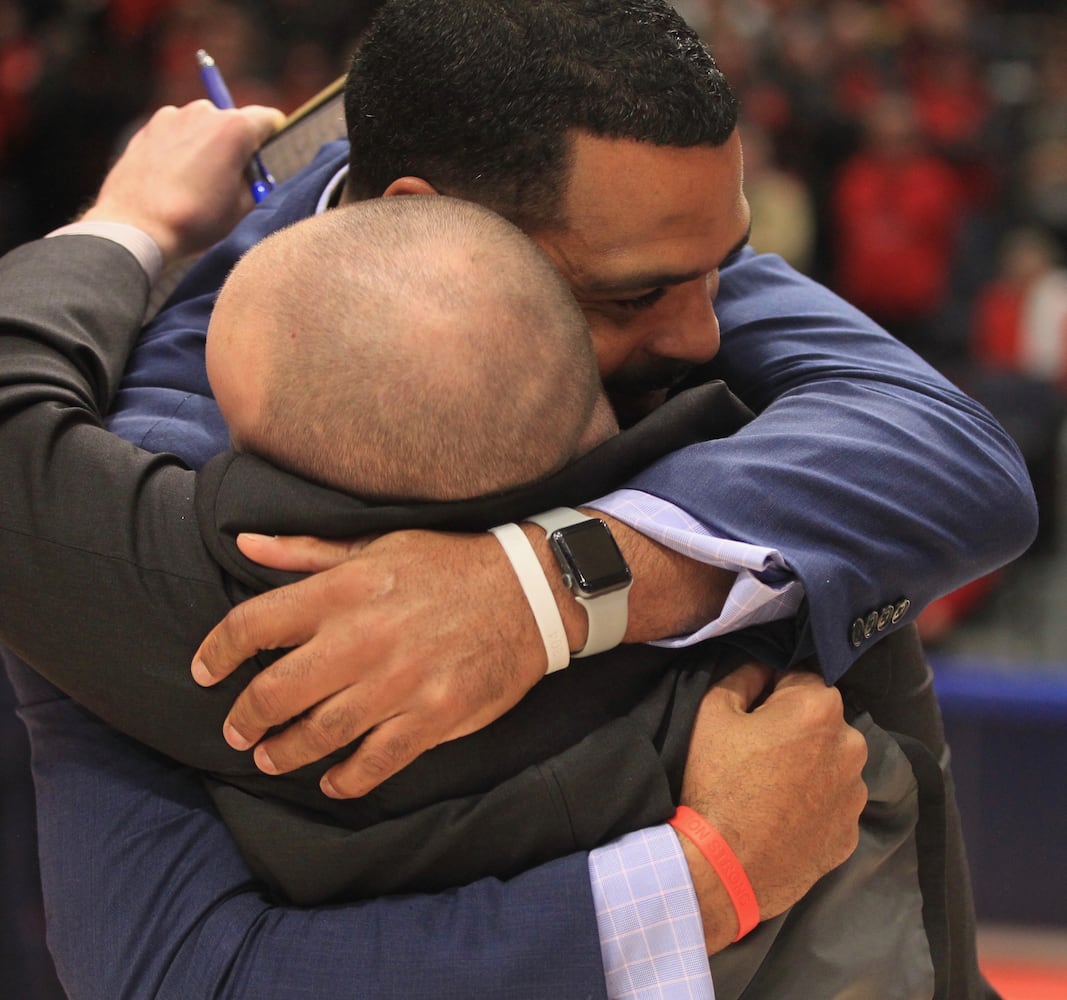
<point x="799" y="679"/>
<point x="387" y="749"/>
<point x="265" y="121"/>
<point x="745" y="686"/>
<point x="298" y="553"/>
<point x="332" y="724"/>
<point x="292" y="685"/>
<point x="274" y="620"/>
<point x="807" y="697"/>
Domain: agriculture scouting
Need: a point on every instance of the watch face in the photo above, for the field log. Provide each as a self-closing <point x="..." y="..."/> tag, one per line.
<point x="589" y="555"/>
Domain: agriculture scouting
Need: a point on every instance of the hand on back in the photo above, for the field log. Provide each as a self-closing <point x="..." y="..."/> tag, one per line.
<point x="782" y="782"/>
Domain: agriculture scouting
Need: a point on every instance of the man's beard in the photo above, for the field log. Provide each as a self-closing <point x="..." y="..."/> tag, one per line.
<point x="636" y="392"/>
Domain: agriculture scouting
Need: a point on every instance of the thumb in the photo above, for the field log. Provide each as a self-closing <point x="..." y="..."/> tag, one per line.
<point x="298" y="553"/>
<point x="741" y="689"/>
<point x="264" y="121"/>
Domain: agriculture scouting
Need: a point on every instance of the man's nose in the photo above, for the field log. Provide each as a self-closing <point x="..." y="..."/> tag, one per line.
<point x="691" y="334"/>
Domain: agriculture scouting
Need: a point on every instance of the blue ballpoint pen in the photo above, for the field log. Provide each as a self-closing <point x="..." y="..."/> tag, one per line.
<point x="261" y="181"/>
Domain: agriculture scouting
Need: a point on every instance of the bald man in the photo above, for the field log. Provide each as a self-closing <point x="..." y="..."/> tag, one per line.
<point x="385" y="380"/>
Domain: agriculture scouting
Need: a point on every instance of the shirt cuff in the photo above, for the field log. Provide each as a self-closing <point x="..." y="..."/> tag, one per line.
<point x="135" y="240"/>
<point x="651" y="934"/>
<point x="765" y="589"/>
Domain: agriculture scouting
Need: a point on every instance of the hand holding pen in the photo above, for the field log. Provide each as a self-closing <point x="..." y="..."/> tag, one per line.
<point x="261" y="181"/>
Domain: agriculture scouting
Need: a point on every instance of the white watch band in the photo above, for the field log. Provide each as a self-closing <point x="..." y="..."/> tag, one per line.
<point x="607" y="614"/>
<point x="538" y="593"/>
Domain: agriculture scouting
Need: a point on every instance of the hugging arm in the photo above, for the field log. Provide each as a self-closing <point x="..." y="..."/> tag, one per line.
<point x="880" y="483"/>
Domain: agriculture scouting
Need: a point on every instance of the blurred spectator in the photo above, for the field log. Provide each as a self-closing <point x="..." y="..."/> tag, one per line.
<point x="234" y="36"/>
<point x="783" y="215"/>
<point x="1044" y="174"/>
<point x="1019" y="358"/>
<point x="896" y="211"/>
<point x="1020" y="318"/>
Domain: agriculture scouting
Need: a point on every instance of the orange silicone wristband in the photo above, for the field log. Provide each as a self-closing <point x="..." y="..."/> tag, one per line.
<point x="711" y="844"/>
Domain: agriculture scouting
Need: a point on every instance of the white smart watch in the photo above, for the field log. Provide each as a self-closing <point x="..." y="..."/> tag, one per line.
<point x="594" y="569"/>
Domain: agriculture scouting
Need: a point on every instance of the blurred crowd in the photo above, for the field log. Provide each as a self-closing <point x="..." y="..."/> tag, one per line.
<point x="910" y="154"/>
<point x="77" y="76"/>
<point x="913" y="156"/>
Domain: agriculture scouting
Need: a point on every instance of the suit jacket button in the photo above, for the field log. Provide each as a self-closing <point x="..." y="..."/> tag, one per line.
<point x="885" y="617"/>
<point x="856" y="633"/>
<point x="901" y="609"/>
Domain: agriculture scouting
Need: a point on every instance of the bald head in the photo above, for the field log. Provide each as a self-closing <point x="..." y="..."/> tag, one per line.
<point x="405" y="348"/>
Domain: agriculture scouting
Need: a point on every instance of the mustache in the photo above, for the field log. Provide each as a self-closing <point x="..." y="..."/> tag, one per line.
<point x="652" y="376"/>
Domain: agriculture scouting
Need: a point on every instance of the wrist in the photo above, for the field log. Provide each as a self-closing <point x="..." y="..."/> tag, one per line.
<point x="716" y="910"/>
<point x="726" y="865"/>
<point x="164" y="237"/>
<point x="672" y="594"/>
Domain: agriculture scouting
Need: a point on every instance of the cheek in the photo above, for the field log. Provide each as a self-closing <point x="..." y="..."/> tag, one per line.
<point x="617" y="344"/>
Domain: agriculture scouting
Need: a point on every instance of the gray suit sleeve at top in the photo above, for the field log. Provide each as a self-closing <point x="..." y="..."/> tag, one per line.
<point x="100" y="533"/>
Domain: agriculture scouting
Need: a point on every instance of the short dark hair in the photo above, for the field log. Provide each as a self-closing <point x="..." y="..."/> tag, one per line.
<point x="479" y="97"/>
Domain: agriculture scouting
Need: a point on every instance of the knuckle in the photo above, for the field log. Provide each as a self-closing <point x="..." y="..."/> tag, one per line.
<point x="376" y="763"/>
<point x="234" y="634"/>
<point x="316" y="737"/>
<point x="856" y="747"/>
<point x="263" y="701"/>
<point x="381" y="758"/>
<point x="405" y="746"/>
<point x="331" y="727"/>
<point x="442" y="702"/>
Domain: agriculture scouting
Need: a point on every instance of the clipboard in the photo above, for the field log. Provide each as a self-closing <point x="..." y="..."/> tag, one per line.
<point x="299" y="137"/>
<point x="286" y="152"/>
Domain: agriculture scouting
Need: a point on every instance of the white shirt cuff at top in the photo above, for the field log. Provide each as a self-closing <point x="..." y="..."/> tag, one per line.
<point x="648" y="918"/>
<point x="136" y="241"/>
<point x="765" y="589"/>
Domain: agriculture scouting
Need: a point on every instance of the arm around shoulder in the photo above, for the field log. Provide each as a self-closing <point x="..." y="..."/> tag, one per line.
<point x="881" y="483"/>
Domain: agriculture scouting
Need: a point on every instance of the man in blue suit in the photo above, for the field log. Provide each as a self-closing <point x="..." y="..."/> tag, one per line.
<point x="920" y="475"/>
<point x="59" y="314"/>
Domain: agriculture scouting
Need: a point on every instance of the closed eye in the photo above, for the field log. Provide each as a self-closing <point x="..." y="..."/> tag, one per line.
<point x="645" y="301"/>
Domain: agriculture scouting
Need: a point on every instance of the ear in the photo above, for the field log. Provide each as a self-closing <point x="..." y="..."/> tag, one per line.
<point x="409" y="185"/>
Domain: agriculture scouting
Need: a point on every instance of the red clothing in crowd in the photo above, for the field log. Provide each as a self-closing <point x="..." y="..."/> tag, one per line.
<point x="895" y="223"/>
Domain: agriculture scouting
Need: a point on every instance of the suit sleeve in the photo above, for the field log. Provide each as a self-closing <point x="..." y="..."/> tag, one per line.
<point x="94" y="533"/>
<point x="148" y="898"/>
<point x="882" y="485"/>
